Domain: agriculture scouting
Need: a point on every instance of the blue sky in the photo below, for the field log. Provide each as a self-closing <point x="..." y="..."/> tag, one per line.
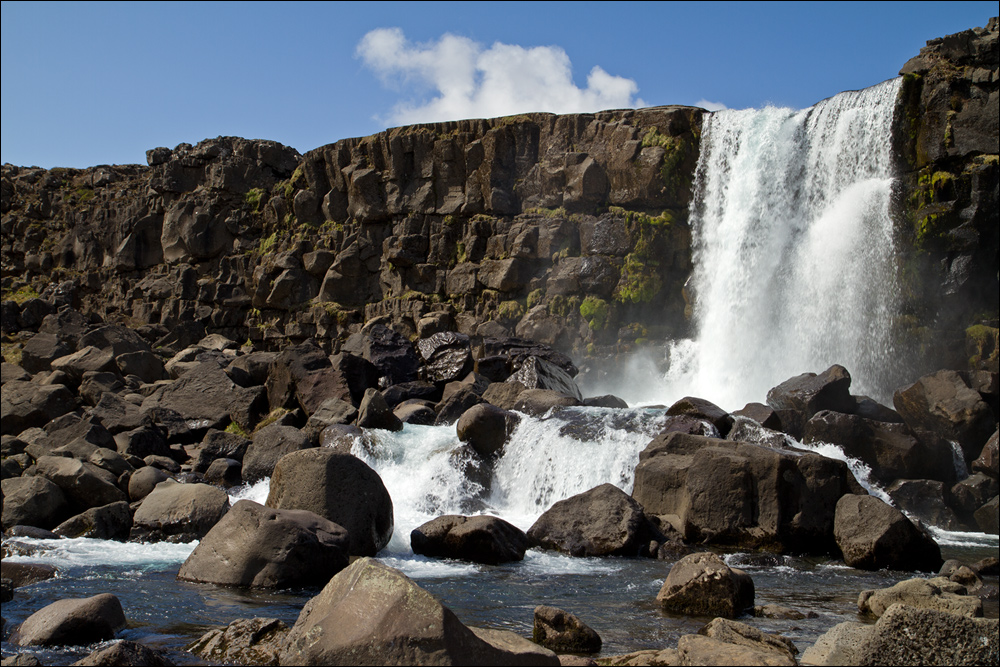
<point x="99" y="83"/>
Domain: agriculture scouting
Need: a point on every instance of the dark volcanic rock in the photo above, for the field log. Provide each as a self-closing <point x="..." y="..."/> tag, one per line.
<point x="374" y="413"/>
<point x="262" y="547"/>
<point x="479" y="539"/>
<point x="484" y="426"/>
<point x="699" y="408"/>
<point x="179" y="512"/>
<point x="33" y="501"/>
<point x="563" y="632"/>
<point x="809" y="393"/>
<point x="537" y="373"/>
<point x="873" y="535"/>
<point x="268" y="446"/>
<point x="338" y="487"/>
<point x="110" y="522"/>
<point x="604" y="521"/>
<point x="447" y="357"/>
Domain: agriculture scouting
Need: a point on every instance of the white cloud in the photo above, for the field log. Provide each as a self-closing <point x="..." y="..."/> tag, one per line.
<point x="710" y="106"/>
<point x="470" y="81"/>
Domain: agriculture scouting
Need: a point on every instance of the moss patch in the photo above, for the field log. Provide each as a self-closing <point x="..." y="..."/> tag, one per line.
<point x="595" y="312"/>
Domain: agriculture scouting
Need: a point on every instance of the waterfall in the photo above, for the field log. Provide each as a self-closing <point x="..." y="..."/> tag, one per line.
<point x="793" y="249"/>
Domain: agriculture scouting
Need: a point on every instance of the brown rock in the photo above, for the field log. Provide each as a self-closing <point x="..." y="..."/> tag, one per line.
<point x="703" y="585"/>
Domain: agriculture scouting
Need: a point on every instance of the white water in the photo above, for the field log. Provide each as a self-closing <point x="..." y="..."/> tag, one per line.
<point x="793" y="249"/>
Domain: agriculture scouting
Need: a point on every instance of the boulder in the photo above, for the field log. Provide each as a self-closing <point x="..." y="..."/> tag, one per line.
<point x="563" y="632"/>
<point x="907" y="635"/>
<point x="987" y="517"/>
<point x="268" y="446"/>
<point x="25" y="574"/>
<point x="451" y="409"/>
<point x="84" y="484"/>
<point x="764" y="415"/>
<point x="504" y="395"/>
<point x="890" y="450"/>
<point x="391" y="353"/>
<point x="226" y="473"/>
<point x="701" y="650"/>
<point x="373" y="614"/>
<point x="701" y="409"/>
<point x="735" y="633"/>
<point x="537" y="402"/>
<point x="479" y="539"/>
<point x="149" y="440"/>
<point x="120" y="339"/>
<point x="72" y="622"/>
<point x="261" y="547"/>
<point x="124" y="654"/>
<point x="374" y="413"/>
<point x="207" y="397"/>
<point x="447" y="356"/>
<point x="603" y="521"/>
<point x="943" y="404"/>
<point x="925" y="500"/>
<point x="606" y="401"/>
<point x="40" y="351"/>
<point x="420" y="389"/>
<point x="250" y="370"/>
<point x="84" y="360"/>
<point x="938" y="593"/>
<point x="484" y="427"/>
<point x="32" y="501"/>
<point x="679" y="475"/>
<point x="415" y="411"/>
<point x="988" y="462"/>
<point x="144" y="365"/>
<point x="873" y="535"/>
<point x="220" y="445"/>
<point x="338" y="487"/>
<point x="245" y="641"/>
<point x="108" y="522"/>
<point x="24" y="405"/>
<point x="702" y="584"/>
<point x="840" y="645"/>
<point x="809" y="393"/>
<point x="537" y="373"/>
<point x="179" y="512"/>
<point x="331" y="411"/>
<point x="142" y="482"/>
<point x="341" y="438"/>
<point x="117" y="415"/>
<point x="517" y="350"/>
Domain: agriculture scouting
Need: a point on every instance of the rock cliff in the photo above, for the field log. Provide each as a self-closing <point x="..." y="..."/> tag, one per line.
<point x="570" y="230"/>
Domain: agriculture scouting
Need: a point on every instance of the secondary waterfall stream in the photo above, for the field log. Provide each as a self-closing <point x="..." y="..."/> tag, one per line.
<point x="793" y="249"/>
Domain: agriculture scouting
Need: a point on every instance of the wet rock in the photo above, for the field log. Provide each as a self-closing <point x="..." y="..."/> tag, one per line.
<point x="988" y="462"/>
<point x="25" y="574"/>
<point x="537" y="373"/>
<point x="942" y="403"/>
<point x="679" y="475"/>
<point x="924" y="499"/>
<point x="890" y="450"/>
<point x="374" y="413"/>
<point x="603" y="521"/>
<point x="179" y="512"/>
<point x="517" y="350"/>
<point x="392" y="354"/>
<point x="537" y="402"/>
<point x="109" y="522"/>
<point x="478" y="539"/>
<point x="907" y="635"/>
<point x="32" y="501"/>
<point x="268" y="446"/>
<point x="764" y="415"/>
<point x="338" y="487"/>
<point x="776" y="611"/>
<point x="341" y="438"/>
<point x="809" y="393"/>
<point x="72" y="622"/>
<point x="701" y="409"/>
<point x="563" y="632"/>
<point x="703" y="585"/>
<point x="606" y="401"/>
<point x="262" y="547"/>
<point x="484" y="427"/>
<point x="245" y="641"/>
<point x="871" y="409"/>
<point x="401" y="624"/>
<point x="938" y="593"/>
<point x="873" y="535"/>
<point x="124" y="654"/>
<point x="447" y="356"/>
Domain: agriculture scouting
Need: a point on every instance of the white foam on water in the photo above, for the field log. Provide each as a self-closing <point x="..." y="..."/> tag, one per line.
<point x="862" y="471"/>
<point x="88" y="552"/>
<point x="256" y="492"/>
<point x="954" y="538"/>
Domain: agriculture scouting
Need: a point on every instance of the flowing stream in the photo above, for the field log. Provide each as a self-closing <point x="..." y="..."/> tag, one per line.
<point x="793" y="249"/>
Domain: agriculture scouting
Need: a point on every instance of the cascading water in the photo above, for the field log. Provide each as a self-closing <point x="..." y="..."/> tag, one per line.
<point x="793" y="249"/>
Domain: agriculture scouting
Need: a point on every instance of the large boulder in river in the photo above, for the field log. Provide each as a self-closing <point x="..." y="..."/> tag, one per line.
<point x="72" y="622"/>
<point x="179" y="512"/>
<point x="603" y="521"/>
<point x="447" y="356"/>
<point x="372" y="614"/>
<point x="776" y="499"/>
<point x="873" y="535"/>
<point x="262" y="547"/>
<point x="338" y="487"/>
<point x="890" y="450"/>
<point x="942" y="403"/>
<point x="375" y="413"/>
<point x="110" y="522"/>
<point x="536" y="373"/>
<point x="479" y="539"/>
<point x="702" y="584"/>
<point x="699" y="408"/>
<point x="809" y="393"/>
<point x="484" y="427"/>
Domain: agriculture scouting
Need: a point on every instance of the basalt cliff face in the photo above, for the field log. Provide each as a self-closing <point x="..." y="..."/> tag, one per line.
<point x="571" y="230"/>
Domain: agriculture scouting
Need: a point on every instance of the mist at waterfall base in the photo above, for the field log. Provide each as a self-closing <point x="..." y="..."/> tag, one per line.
<point x="776" y="295"/>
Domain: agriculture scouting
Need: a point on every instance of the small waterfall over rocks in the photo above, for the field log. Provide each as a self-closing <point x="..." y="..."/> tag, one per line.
<point x="793" y="249"/>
